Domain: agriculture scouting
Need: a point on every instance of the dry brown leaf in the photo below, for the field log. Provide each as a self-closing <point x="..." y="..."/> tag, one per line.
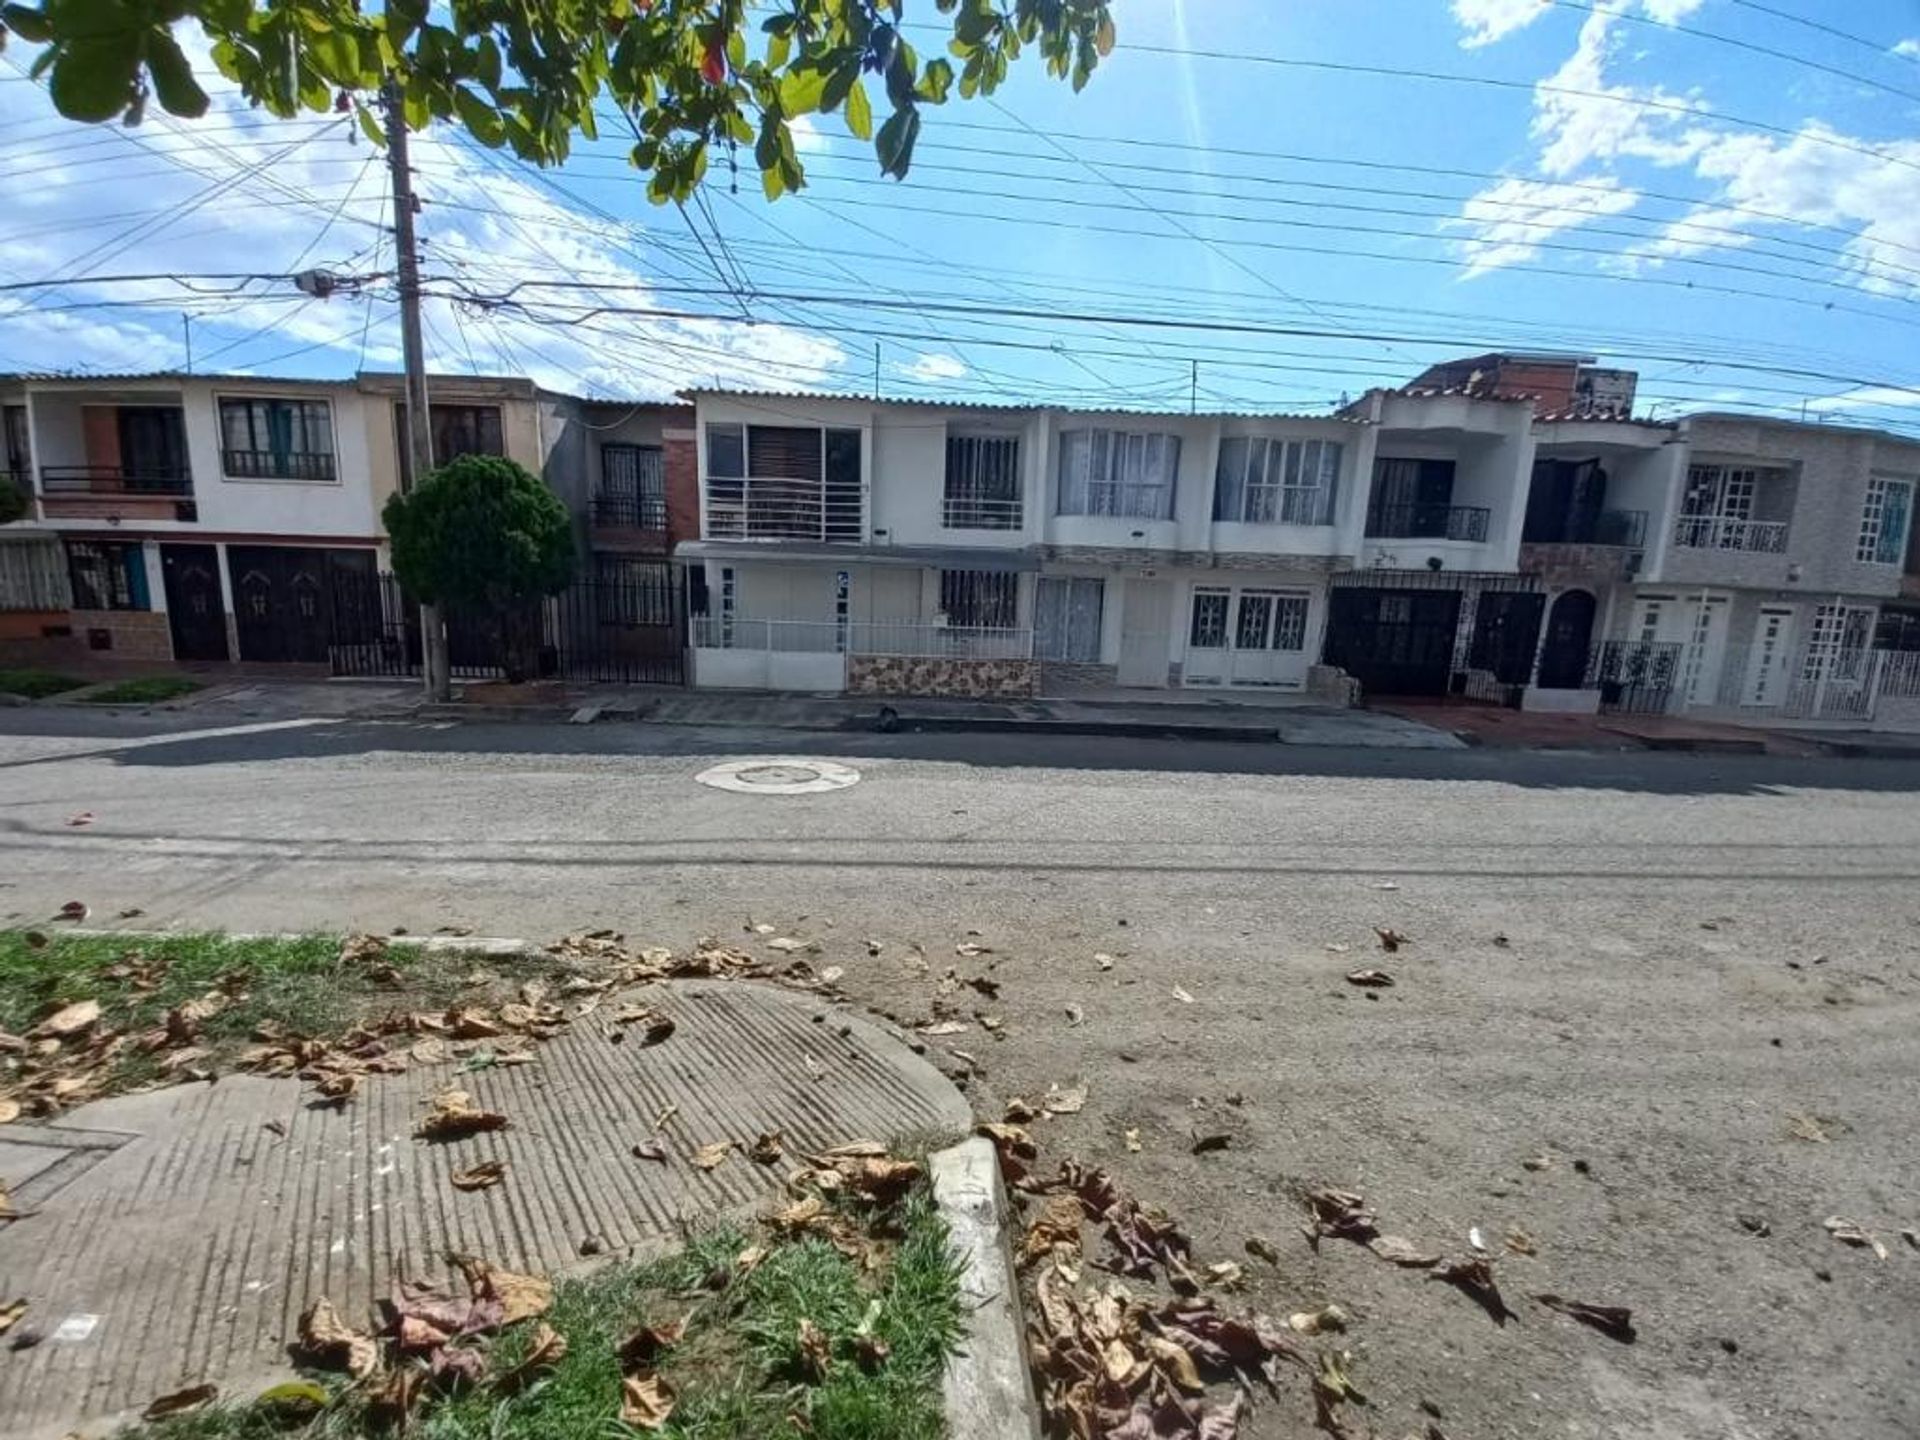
<point x="1398" y="1250"/>
<point x="9" y="1110"/>
<point x="419" y="1336"/>
<point x="331" y="1343"/>
<point x="67" y="1021"/>
<point x="10" y="1314"/>
<point x="1390" y="939"/>
<point x="546" y="1348"/>
<point x="1227" y="1274"/>
<point x="650" y="1150"/>
<point x="390" y="1402"/>
<point x="767" y="1149"/>
<point x="946" y="1027"/>
<point x="454" y="1115"/>
<point x="180" y="1402"/>
<point x="479" y="1177"/>
<point x="1370" y="979"/>
<point x="1342" y="1214"/>
<point x="1808" y="1128"/>
<point x="1174" y="1362"/>
<point x="429" y="1052"/>
<point x="1472" y="1276"/>
<point x="1319" y="1322"/>
<point x="645" y="1345"/>
<point x="1058" y="1223"/>
<point x="748" y="1260"/>
<point x="1615" y="1321"/>
<point x="520" y="1297"/>
<point x="1852" y="1232"/>
<point x="1064" y="1102"/>
<point x="646" y="1400"/>
<point x="816" y="1350"/>
<point x="1262" y="1248"/>
<point x="1521" y="1243"/>
<point x="1019" y="1112"/>
<point x="337" y="1086"/>
<point x="800" y="1214"/>
<point x="1008" y="1139"/>
<point x="708" y="1156"/>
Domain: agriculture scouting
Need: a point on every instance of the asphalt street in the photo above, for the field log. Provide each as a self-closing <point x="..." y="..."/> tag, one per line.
<point x="1697" y="976"/>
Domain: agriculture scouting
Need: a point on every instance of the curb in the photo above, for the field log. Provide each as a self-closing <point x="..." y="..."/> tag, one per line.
<point x="1123" y="729"/>
<point x="491" y="945"/>
<point x="989" y="1391"/>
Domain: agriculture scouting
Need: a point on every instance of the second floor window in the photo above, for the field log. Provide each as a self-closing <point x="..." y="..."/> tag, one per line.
<point x="633" y="487"/>
<point x="1885" y="521"/>
<point x="1276" y="482"/>
<point x="982" y="483"/>
<point x="457" y="430"/>
<point x="276" y="439"/>
<point x="1118" y="473"/>
<point x="783" y="482"/>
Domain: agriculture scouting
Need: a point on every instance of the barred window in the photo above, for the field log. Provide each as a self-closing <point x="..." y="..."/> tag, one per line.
<point x="1118" y="473"/>
<point x="1276" y="482"/>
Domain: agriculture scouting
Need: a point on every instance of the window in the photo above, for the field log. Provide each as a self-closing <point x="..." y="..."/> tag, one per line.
<point x="1276" y="482"/>
<point x="632" y="592"/>
<point x="1066" y="618"/>
<point x="1209" y="628"/>
<point x="1112" y="472"/>
<point x="1884" y="522"/>
<point x="276" y="439"/>
<point x="983" y="483"/>
<point x="633" y="487"/>
<point x="980" y="599"/>
<point x="17" y="460"/>
<point x="783" y="482"/>
<point x="1838" y="644"/>
<point x="457" y="430"/>
<point x="108" y="575"/>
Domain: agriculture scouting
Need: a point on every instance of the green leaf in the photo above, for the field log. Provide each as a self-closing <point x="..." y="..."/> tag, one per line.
<point x="173" y="80"/>
<point x="93" y="79"/>
<point x="859" y="112"/>
<point x="481" y="119"/>
<point x="801" y="89"/>
<point x="779" y="49"/>
<point x="935" y="81"/>
<point x="370" y="125"/>
<point x="335" y="54"/>
<point x="895" y="142"/>
<point x="486" y="63"/>
<point x="771" y="183"/>
<point x="29" y="24"/>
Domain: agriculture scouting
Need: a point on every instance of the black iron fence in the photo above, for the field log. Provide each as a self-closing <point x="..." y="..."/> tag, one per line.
<point x="1636" y="677"/>
<point x="630" y="512"/>
<point x="1428" y="522"/>
<point x="625" y="630"/>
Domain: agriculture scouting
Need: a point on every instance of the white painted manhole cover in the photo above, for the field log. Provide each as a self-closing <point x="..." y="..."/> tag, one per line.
<point x="779" y="775"/>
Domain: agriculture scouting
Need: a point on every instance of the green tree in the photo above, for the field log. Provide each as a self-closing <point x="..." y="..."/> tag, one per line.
<point x="13" y="500"/>
<point x="485" y="538"/>
<point x="685" y="76"/>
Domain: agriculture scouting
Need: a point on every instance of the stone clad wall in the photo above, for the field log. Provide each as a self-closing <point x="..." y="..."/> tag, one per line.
<point x="971" y="679"/>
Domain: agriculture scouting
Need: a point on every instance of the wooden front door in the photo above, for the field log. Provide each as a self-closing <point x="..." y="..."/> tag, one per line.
<point x="195" y="613"/>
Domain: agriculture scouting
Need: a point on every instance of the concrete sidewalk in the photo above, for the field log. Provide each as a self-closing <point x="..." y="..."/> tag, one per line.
<point x="174" y="1237"/>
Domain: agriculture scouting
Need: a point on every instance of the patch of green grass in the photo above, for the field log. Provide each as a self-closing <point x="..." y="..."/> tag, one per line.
<point x="149" y="690"/>
<point x="300" y="982"/>
<point x="36" y="684"/>
<point x="736" y="1368"/>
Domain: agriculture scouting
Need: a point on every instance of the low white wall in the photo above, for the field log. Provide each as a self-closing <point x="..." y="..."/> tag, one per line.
<point x="767" y="670"/>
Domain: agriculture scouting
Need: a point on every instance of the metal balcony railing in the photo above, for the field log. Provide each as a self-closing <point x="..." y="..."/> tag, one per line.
<point x="973" y="512"/>
<point x="783" y="510"/>
<point x="1720" y="532"/>
<point x="1626" y="529"/>
<point x="1429" y="522"/>
<point x="171" y="481"/>
<point x="277" y="464"/>
<point x="630" y="512"/>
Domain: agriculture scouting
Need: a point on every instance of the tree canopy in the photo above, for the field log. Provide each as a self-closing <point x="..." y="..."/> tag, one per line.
<point x="685" y="77"/>
<point x="480" y="534"/>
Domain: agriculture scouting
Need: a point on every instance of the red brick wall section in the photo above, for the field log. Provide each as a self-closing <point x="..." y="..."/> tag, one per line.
<point x="683" y="486"/>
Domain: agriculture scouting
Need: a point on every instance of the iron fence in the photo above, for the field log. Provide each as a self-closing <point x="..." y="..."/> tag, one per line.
<point x="1635" y="677"/>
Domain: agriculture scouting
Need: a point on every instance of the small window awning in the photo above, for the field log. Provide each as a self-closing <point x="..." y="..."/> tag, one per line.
<point x="933" y="557"/>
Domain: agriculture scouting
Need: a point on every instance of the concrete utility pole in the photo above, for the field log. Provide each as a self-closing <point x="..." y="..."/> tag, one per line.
<point x="433" y="633"/>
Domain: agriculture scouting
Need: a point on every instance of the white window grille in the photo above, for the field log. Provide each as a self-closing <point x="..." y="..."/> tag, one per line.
<point x="1118" y="473"/>
<point x="1885" y="521"/>
<point x="1067" y="611"/>
<point x="1209" y="627"/>
<point x="982" y="483"/>
<point x="1276" y="482"/>
<point x="783" y="482"/>
<point x="1838" y="644"/>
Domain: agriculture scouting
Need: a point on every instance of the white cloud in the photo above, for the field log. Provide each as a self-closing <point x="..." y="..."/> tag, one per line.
<point x="1511" y="217"/>
<point x="1908" y="48"/>
<point x="169" y="198"/>
<point x="1670" y="12"/>
<point x="1489" y="20"/>
<point x="808" y="137"/>
<point x="1874" y="397"/>
<point x="1579" y="119"/>
<point x="934" y="368"/>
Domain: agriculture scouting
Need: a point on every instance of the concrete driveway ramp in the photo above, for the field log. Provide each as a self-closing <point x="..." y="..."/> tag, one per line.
<point x="175" y="1237"/>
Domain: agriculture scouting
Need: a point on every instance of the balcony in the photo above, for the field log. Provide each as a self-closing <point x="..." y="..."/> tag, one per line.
<point x="629" y="512"/>
<point x="1720" y="532"/>
<point x="1429" y="522"/>
<point x="1621" y="529"/>
<point x="973" y="512"/>
<point x="783" y="510"/>
<point x="108" y="492"/>
<point x="277" y="465"/>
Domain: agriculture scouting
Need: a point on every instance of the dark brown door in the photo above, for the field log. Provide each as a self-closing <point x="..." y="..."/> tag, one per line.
<point x="281" y="602"/>
<point x="194" y="612"/>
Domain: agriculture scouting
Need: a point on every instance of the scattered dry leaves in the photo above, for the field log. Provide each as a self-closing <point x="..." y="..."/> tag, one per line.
<point x="180" y="1402"/>
<point x="1613" y="1321"/>
<point x="1390" y="939"/>
<point x="485" y="1175"/>
<point x="1370" y="979"/>
<point x="331" y="1344"/>
<point x="1852" y="1232"/>
<point x="709" y="1156"/>
<point x="454" y="1116"/>
<point x="646" y="1400"/>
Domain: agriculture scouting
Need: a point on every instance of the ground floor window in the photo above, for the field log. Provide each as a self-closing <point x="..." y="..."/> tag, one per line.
<point x="108" y="575"/>
<point x="630" y="592"/>
<point x="980" y="599"/>
<point x="1067" y="614"/>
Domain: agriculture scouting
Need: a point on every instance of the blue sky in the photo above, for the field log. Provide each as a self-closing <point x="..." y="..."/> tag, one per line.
<point x="1637" y="180"/>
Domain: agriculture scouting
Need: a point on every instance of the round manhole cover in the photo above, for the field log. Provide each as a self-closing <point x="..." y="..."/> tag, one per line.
<point x="779" y="776"/>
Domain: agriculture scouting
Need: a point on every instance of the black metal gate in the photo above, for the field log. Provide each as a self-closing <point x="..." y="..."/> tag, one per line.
<point x="629" y="629"/>
<point x="196" y="613"/>
<point x="1636" y="677"/>
<point x="283" y="608"/>
<point x="1506" y="632"/>
<point x="1394" y="642"/>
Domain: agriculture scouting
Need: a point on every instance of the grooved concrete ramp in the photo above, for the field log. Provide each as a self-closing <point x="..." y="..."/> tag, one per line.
<point x="177" y="1236"/>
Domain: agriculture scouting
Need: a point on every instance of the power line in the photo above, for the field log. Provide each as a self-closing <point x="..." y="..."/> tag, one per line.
<point x="1874" y="45"/>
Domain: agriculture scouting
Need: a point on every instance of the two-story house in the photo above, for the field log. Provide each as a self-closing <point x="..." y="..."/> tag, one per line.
<point x="1776" y="548"/>
<point x="899" y="546"/>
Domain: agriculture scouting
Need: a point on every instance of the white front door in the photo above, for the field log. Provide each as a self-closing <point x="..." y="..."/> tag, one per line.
<point x="1706" y="650"/>
<point x="1768" y="661"/>
<point x="1254" y="637"/>
<point x="1145" y="610"/>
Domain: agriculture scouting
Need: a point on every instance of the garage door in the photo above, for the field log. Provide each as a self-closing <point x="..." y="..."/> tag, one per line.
<point x="283" y="599"/>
